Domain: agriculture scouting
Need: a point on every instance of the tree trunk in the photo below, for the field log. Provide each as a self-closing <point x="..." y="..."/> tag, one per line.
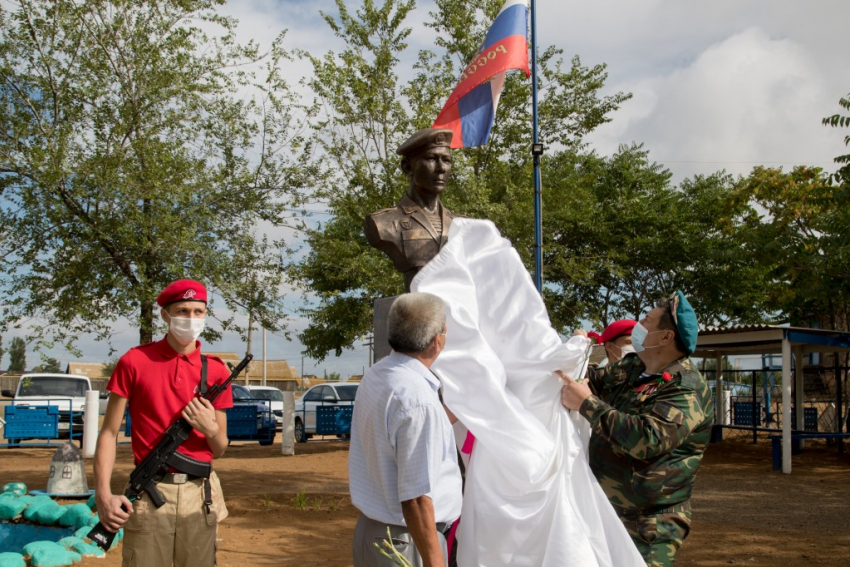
<point x="145" y="323"/>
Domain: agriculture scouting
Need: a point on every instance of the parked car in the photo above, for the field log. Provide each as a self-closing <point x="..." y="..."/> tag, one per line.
<point x="274" y="396"/>
<point x="241" y="429"/>
<point x="65" y="391"/>
<point x="337" y="395"/>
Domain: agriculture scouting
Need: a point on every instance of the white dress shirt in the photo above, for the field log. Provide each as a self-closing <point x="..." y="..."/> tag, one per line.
<point x="402" y="444"/>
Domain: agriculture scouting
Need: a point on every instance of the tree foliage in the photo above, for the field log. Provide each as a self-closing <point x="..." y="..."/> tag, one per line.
<point x="49" y="365"/>
<point x="109" y="367"/>
<point x="839" y="121"/>
<point x="621" y="236"/>
<point x="794" y="226"/>
<point x="17" y="356"/>
<point x="369" y="111"/>
<point x="140" y="144"/>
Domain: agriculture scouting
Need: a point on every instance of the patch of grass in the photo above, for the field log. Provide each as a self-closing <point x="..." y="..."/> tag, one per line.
<point x="334" y="505"/>
<point x="317" y="504"/>
<point x="300" y="500"/>
<point x="268" y="501"/>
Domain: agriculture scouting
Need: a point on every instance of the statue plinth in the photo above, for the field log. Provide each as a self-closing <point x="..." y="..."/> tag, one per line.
<point x="380" y="343"/>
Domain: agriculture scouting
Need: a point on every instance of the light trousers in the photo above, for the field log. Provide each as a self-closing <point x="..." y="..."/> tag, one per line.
<point x="180" y="533"/>
<point x="368" y="531"/>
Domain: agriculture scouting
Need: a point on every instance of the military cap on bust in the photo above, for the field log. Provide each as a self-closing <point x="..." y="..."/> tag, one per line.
<point x="424" y="139"/>
<point x="685" y="320"/>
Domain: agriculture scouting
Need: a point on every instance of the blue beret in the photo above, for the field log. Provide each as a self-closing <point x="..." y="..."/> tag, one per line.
<point x="685" y="320"/>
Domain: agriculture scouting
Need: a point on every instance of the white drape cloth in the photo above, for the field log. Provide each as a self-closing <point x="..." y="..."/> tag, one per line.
<point x="531" y="499"/>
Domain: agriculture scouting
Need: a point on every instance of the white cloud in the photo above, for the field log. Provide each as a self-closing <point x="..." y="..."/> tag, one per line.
<point x="746" y="100"/>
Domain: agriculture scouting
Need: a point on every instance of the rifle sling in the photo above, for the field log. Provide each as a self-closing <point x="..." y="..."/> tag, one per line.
<point x="203" y="388"/>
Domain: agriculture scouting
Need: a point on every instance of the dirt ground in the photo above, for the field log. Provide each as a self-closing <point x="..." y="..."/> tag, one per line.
<point x="744" y="513"/>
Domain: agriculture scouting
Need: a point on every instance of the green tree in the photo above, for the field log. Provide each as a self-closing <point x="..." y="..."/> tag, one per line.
<point x="621" y="236"/>
<point x="720" y="276"/>
<point x="369" y="112"/>
<point x="789" y="226"/>
<point x="18" y="356"/>
<point x="49" y="365"/>
<point x="839" y="121"/>
<point x="140" y="144"/>
<point x="838" y="221"/>
<point x="611" y="233"/>
<point x="109" y="367"/>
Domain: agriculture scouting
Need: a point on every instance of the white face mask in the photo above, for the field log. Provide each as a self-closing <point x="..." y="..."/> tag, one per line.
<point x="186" y="330"/>
<point x="626" y="349"/>
<point x="639" y="334"/>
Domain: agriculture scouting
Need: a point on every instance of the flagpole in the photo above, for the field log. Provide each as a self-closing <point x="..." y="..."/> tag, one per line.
<point x="536" y="152"/>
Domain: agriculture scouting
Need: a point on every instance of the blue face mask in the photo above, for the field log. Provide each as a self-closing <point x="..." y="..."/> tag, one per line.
<point x="639" y="334"/>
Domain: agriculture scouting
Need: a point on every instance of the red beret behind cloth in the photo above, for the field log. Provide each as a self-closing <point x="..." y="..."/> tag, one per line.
<point x="618" y="329"/>
<point x="182" y="290"/>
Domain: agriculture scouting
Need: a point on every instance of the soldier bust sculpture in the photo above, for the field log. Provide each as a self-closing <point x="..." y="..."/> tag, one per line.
<point x="415" y="230"/>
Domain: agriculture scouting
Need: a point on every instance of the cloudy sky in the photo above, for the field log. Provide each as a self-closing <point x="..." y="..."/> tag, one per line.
<point x="717" y="84"/>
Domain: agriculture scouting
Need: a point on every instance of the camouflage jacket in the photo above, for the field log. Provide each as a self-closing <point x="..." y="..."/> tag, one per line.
<point x="649" y="433"/>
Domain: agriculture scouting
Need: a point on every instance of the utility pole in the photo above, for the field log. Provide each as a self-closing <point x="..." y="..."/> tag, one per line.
<point x="264" y="355"/>
<point x="247" y="352"/>
<point x="370" y="342"/>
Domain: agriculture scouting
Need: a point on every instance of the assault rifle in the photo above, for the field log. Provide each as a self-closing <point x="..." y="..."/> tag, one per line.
<point x="155" y="465"/>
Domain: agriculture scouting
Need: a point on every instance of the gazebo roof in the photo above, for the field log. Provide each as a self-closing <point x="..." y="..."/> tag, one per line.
<point x="767" y="339"/>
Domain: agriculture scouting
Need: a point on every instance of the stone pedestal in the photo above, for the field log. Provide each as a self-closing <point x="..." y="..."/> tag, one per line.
<point x="381" y="347"/>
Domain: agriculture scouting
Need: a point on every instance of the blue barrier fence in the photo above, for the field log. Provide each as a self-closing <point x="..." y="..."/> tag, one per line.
<point x="42" y="421"/>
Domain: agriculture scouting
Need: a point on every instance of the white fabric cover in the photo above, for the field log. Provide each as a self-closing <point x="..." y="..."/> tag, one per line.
<point x="531" y="499"/>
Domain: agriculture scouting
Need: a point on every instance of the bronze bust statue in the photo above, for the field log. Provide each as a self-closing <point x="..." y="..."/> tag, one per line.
<point x="415" y="230"/>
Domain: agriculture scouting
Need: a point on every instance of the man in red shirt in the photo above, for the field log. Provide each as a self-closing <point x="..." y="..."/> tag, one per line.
<point x="161" y="381"/>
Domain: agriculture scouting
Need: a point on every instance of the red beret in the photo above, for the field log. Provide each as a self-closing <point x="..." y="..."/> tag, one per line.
<point x="618" y="329"/>
<point x="182" y="290"/>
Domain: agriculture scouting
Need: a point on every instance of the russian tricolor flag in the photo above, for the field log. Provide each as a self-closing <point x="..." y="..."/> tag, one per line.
<point x="471" y="109"/>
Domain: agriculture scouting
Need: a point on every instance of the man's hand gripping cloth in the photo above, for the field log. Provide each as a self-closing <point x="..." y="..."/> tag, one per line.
<point x="531" y="499"/>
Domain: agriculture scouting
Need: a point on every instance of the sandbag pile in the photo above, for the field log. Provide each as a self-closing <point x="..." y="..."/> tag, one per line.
<point x="16" y="504"/>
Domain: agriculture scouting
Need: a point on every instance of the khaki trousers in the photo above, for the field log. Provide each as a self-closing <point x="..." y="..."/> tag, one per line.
<point x="180" y="533"/>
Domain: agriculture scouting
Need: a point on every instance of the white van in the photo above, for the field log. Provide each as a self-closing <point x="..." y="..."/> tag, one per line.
<point x="65" y="391"/>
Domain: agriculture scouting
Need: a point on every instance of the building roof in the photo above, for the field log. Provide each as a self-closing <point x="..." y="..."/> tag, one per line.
<point x="275" y="369"/>
<point x="767" y="339"/>
<point x="90" y="369"/>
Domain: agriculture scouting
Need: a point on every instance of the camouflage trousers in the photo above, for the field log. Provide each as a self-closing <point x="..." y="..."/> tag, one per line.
<point x="659" y="536"/>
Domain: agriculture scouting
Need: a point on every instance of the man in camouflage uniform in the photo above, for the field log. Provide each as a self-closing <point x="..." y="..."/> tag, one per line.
<point x="651" y="415"/>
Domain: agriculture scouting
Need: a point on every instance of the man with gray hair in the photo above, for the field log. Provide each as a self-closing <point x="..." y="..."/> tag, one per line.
<point x="402" y="465"/>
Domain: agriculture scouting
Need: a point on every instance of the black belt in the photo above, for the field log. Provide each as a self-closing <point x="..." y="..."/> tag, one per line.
<point x="444" y="527"/>
<point x="179" y="478"/>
